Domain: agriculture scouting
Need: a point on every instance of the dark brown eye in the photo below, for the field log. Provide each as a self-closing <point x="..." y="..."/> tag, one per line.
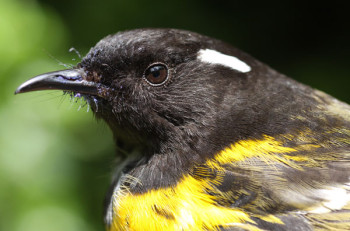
<point x="156" y="74"/>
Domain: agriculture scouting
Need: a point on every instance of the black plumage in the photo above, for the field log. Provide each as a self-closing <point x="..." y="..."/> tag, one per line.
<point x="288" y="144"/>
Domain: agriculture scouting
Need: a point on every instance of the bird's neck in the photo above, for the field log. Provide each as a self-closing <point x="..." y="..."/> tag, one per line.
<point x="158" y="170"/>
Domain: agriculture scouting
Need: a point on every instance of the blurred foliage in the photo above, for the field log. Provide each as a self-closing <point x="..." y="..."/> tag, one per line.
<point x="55" y="159"/>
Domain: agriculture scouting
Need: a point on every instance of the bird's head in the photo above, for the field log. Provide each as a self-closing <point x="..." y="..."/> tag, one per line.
<point x="155" y="86"/>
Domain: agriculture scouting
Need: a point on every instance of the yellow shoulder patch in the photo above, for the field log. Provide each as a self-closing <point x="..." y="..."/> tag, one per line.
<point x="188" y="205"/>
<point x="267" y="149"/>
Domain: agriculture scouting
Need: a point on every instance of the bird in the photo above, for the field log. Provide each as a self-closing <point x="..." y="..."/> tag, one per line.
<point x="210" y="138"/>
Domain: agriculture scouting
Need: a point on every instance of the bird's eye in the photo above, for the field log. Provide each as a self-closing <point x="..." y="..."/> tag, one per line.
<point x="156" y="74"/>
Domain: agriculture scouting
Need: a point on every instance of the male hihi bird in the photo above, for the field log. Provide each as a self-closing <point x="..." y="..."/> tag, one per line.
<point x="216" y="139"/>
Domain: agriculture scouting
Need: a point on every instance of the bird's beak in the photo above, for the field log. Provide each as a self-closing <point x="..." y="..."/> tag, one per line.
<point x="68" y="80"/>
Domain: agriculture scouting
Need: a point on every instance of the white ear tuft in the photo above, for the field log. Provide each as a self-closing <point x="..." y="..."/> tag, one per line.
<point x="215" y="57"/>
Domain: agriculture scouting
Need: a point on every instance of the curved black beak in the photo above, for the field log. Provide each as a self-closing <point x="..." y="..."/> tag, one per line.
<point x="67" y="80"/>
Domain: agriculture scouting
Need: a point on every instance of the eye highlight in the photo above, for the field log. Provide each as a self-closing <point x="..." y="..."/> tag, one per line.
<point x="156" y="74"/>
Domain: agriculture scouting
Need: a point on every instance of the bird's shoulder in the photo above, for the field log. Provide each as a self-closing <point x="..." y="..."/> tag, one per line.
<point x="298" y="179"/>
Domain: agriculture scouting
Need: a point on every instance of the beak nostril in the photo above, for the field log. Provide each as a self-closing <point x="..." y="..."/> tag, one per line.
<point x="70" y="78"/>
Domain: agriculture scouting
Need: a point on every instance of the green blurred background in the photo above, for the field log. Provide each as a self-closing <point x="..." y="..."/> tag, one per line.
<point x="55" y="160"/>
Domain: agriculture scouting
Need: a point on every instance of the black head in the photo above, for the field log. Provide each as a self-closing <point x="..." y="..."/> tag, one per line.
<point x="157" y="86"/>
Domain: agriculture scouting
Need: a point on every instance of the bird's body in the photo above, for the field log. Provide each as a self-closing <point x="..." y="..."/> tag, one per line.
<point x="216" y="139"/>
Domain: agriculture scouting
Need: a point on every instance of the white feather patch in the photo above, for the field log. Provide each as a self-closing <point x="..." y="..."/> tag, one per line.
<point x="215" y="57"/>
<point x="334" y="199"/>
